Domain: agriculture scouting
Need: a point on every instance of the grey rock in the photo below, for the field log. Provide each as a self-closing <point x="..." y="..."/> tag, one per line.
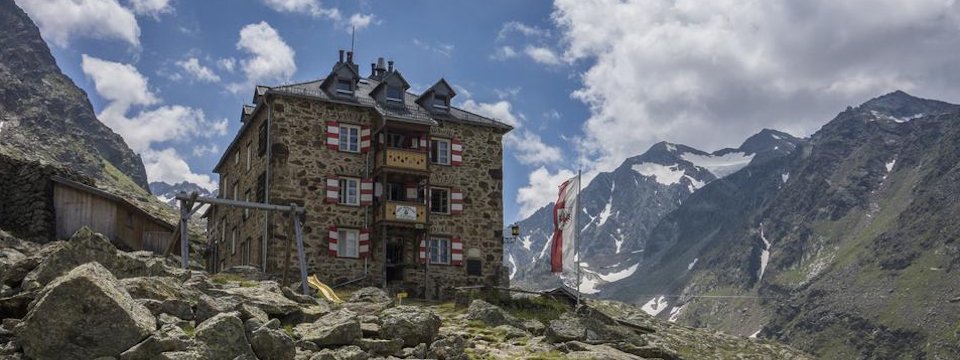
<point x="60" y="325"/>
<point x="160" y="288"/>
<point x="489" y="314"/>
<point x="534" y="327"/>
<point x="567" y="328"/>
<point x="265" y="295"/>
<point x="415" y="352"/>
<point x="208" y="306"/>
<point x="371" y="295"/>
<point x="380" y="347"/>
<point x="223" y="337"/>
<point x="411" y="323"/>
<point x="272" y="344"/>
<point x="245" y="271"/>
<point x="344" y="353"/>
<point x="340" y="327"/>
<point x="449" y="348"/>
<point x="370" y="329"/>
<point x="510" y="332"/>
<point x="579" y="350"/>
<point x="169" y="338"/>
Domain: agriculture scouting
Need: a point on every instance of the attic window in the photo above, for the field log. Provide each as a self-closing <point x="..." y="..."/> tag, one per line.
<point x="441" y="102"/>
<point x="394" y="93"/>
<point x="344" y="86"/>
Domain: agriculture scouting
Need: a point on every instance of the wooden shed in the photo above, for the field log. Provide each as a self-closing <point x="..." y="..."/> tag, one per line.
<point x="126" y="225"/>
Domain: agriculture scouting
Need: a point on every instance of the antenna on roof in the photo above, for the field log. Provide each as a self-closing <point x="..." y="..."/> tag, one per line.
<point x="353" y="35"/>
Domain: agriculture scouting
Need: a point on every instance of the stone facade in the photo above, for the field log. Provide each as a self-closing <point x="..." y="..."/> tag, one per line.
<point x="301" y="163"/>
<point x="26" y="197"/>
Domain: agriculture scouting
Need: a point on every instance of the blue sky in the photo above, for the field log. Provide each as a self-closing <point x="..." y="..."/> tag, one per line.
<point x="587" y="83"/>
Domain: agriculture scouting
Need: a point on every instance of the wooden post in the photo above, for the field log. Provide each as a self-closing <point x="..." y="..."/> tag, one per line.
<point x="184" y="242"/>
<point x="300" y="251"/>
<point x="286" y="261"/>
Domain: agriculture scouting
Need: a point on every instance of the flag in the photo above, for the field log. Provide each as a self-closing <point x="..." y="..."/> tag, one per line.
<point x="563" y="249"/>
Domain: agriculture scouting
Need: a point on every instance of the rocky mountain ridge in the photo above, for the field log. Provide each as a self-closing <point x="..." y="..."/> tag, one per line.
<point x="166" y="193"/>
<point x="83" y="299"/>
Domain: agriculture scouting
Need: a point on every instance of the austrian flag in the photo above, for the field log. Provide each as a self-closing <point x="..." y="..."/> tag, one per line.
<point x="563" y="249"/>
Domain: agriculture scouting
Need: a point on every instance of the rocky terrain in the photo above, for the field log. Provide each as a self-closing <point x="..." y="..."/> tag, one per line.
<point x="84" y="299"/>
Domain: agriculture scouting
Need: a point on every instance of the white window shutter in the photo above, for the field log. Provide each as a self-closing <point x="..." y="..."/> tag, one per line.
<point x="333" y="189"/>
<point x="332" y="236"/>
<point x="333" y="135"/>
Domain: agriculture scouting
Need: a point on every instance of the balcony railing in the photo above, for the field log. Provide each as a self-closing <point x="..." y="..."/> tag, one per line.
<point x="402" y="159"/>
<point x="403" y="212"/>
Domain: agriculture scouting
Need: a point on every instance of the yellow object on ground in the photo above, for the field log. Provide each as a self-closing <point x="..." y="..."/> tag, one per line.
<point x="323" y="289"/>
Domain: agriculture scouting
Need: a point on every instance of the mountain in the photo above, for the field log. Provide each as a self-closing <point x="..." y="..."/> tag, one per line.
<point x="167" y="192"/>
<point x="845" y="248"/>
<point x="44" y="116"/>
<point x="621" y="207"/>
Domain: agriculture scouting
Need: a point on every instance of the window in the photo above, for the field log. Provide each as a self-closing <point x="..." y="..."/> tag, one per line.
<point x="395" y="140"/>
<point x="348" y="241"/>
<point x="246" y="211"/>
<point x="396" y="192"/>
<point x="129" y="219"/>
<point x="262" y="139"/>
<point x="233" y="242"/>
<point x="236" y="191"/>
<point x="394" y="93"/>
<point x="344" y="86"/>
<point x="440" y="102"/>
<point x="474" y="267"/>
<point x="236" y="158"/>
<point x="262" y="187"/>
<point x="439" y="251"/>
<point x="350" y="191"/>
<point x="249" y="156"/>
<point x="440" y="151"/>
<point x="439" y="201"/>
<point x="349" y="138"/>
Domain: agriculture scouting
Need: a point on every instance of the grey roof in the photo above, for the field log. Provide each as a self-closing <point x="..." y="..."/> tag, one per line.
<point x="411" y="111"/>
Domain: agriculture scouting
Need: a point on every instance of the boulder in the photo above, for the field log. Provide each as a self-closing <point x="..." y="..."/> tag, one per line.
<point x="246" y="272"/>
<point x="416" y="352"/>
<point x="160" y="288"/>
<point x="208" y="306"/>
<point x="371" y="295"/>
<point x="370" y="329"/>
<point x="380" y="347"/>
<point x="489" y="314"/>
<point x="579" y="350"/>
<point x="84" y="314"/>
<point x="272" y="344"/>
<point x="265" y="295"/>
<point x="344" y="353"/>
<point x="534" y="327"/>
<point x="411" y="323"/>
<point x="566" y="328"/>
<point x="449" y="348"/>
<point x="223" y="337"/>
<point x="509" y="332"/>
<point x="340" y="327"/>
<point x="169" y="338"/>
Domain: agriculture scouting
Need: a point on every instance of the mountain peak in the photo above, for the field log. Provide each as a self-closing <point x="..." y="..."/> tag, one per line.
<point x="900" y="105"/>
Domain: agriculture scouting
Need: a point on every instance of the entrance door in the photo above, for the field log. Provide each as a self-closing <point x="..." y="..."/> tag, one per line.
<point x="394" y="259"/>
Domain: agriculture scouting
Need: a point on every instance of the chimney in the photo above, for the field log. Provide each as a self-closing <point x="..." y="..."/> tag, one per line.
<point x="341" y="57"/>
<point x="350" y="57"/>
<point x="390" y="66"/>
<point x="373" y="70"/>
<point x="380" y="67"/>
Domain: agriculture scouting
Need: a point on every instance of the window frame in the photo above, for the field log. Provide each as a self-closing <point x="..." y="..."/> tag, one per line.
<point x="435" y="150"/>
<point x="249" y="156"/>
<point x="344" y="243"/>
<point x="345" y="140"/>
<point x="441" y="102"/>
<point x="441" y="247"/>
<point x="233" y="242"/>
<point x="399" y="91"/>
<point x="344" y="183"/>
<point x="246" y="210"/>
<point x="439" y="189"/>
<point x="338" y="90"/>
<point x="262" y="139"/>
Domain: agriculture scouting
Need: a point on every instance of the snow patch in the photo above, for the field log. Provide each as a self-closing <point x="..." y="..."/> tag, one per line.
<point x="901" y="119"/>
<point x="722" y="165"/>
<point x="765" y="255"/>
<point x="618" y="240"/>
<point x="785" y="177"/>
<point x="588" y="285"/>
<point x="692" y="263"/>
<point x="754" y="335"/>
<point x="166" y="199"/>
<point x="1" y="125"/>
<point x="526" y="242"/>
<point x="605" y="214"/>
<point x="675" y="313"/>
<point x="666" y="175"/>
<point x="619" y="275"/>
<point x="890" y="164"/>
<point x="694" y="184"/>
<point x="655" y="306"/>
<point x="671" y="147"/>
<point x="513" y="266"/>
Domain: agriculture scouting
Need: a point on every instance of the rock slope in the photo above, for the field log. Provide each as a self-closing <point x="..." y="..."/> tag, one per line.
<point x="83" y="299"/>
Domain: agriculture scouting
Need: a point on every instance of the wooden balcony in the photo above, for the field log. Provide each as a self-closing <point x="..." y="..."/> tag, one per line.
<point x="402" y="159"/>
<point x="402" y="213"/>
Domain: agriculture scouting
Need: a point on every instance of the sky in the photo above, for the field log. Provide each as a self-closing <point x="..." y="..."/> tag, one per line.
<point x="586" y="83"/>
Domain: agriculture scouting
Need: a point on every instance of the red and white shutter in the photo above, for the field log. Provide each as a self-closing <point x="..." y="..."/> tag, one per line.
<point x="411" y="191"/>
<point x="423" y="142"/>
<point x="333" y="135"/>
<point x="363" y="248"/>
<point x="422" y="255"/>
<point x="364" y="139"/>
<point x="456" y="152"/>
<point x="333" y="189"/>
<point x="456" y="201"/>
<point x="366" y="192"/>
<point x="332" y="236"/>
<point x="456" y="251"/>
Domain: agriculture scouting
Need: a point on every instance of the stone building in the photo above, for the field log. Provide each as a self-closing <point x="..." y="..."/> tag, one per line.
<point x="401" y="191"/>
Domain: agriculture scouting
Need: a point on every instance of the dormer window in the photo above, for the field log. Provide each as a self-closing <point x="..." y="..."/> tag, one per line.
<point x="344" y="86"/>
<point x="441" y="102"/>
<point x="394" y="93"/>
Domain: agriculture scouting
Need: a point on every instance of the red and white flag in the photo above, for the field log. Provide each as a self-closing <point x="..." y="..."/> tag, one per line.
<point x="563" y="249"/>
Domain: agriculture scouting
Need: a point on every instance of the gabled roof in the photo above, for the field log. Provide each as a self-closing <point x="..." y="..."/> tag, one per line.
<point x="336" y="69"/>
<point x="440" y="83"/>
<point x="386" y="78"/>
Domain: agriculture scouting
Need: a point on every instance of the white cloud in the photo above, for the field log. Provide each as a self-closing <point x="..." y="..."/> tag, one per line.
<point x="500" y="110"/>
<point x="709" y="74"/>
<point x="309" y="7"/>
<point x="518" y="27"/>
<point x="201" y="150"/>
<point x="530" y="149"/>
<point x="192" y="66"/>
<point x="439" y="48"/>
<point x="168" y="166"/>
<point x="123" y="88"/>
<point x="507" y="93"/>
<point x="61" y="20"/>
<point x="542" y="55"/>
<point x="227" y="64"/>
<point x="270" y="60"/>
<point x="360" y="21"/>
<point x="541" y="190"/>
<point x="151" y="8"/>
<point x="503" y="53"/>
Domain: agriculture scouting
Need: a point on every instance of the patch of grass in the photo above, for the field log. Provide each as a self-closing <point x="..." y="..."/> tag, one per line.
<point x="288" y="328"/>
<point x="541" y="308"/>
<point x="551" y="355"/>
<point x="189" y="330"/>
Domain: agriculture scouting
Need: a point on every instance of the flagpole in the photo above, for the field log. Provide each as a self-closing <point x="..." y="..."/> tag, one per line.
<point x="577" y="231"/>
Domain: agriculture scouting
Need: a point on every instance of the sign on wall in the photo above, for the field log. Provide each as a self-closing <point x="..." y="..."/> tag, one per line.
<point x="405" y="212"/>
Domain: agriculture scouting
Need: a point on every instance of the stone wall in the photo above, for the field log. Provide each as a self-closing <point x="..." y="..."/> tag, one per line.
<point x="26" y="197"/>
